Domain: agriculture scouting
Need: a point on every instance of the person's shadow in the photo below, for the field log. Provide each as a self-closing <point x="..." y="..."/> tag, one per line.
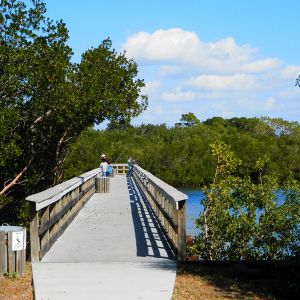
<point x="150" y="238"/>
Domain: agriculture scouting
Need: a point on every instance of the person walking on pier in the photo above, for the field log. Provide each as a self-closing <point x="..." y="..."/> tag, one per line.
<point x="130" y="166"/>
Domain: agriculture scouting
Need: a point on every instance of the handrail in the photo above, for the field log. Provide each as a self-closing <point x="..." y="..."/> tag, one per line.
<point x="53" y="194"/>
<point x="168" y="205"/>
<point x="55" y="208"/>
<point x="120" y="168"/>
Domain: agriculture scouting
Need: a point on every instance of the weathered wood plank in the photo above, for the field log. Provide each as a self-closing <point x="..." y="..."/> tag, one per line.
<point x="55" y="193"/>
<point x="34" y="237"/>
<point x="67" y="222"/>
<point x="181" y="243"/>
<point x="18" y="261"/>
<point x="21" y="266"/>
<point x="102" y="185"/>
<point x="44" y="219"/>
<point x="10" y="254"/>
<point x="58" y="215"/>
<point x="2" y="252"/>
<point x="23" y="255"/>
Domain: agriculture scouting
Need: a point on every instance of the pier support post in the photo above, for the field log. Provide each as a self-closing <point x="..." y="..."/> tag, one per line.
<point x="102" y="184"/>
<point x="181" y="236"/>
<point x="34" y="235"/>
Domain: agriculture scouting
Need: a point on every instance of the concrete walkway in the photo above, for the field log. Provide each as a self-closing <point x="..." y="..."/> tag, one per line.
<point x="114" y="249"/>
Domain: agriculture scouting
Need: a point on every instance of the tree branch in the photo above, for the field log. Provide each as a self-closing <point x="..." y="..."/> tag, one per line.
<point x="15" y="180"/>
<point x="40" y="119"/>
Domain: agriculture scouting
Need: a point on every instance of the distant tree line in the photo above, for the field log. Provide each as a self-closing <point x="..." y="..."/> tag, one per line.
<point x="180" y="155"/>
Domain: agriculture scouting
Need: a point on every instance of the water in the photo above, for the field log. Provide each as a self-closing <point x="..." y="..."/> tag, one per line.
<point x="193" y="209"/>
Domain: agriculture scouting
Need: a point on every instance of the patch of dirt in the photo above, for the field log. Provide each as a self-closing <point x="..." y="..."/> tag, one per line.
<point x="17" y="288"/>
<point x="196" y="280"/>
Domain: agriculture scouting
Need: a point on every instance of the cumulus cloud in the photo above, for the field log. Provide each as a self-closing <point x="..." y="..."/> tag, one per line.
<point x="261" y="65"/>
<point x="212" y="78"/>
<point x="178" y="96"/>
<point x="151" y="85"/>
<point x="179" y="47"/>
<point x="171" y="69"/>
<point x="237" y="82"/>
<point x="290" y="93"/>
<point x="290" y="72"/>
<point x="270" y="104"/>
<point x="163" y="45"/>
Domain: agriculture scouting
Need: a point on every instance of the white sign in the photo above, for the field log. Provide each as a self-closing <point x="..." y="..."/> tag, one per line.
<point x="18" y="240"/>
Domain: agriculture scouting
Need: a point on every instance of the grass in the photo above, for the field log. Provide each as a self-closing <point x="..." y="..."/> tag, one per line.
<point x="17" y="288"/>
<point x="240" y="280"/>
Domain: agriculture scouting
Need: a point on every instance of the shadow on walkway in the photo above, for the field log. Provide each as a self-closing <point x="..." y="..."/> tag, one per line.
<point x="150" y="238"/>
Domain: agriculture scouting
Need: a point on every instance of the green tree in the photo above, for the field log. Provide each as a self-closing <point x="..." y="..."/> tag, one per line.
<point x="279" y="126"/>
<point x="243" y="220"/>
<point x="47" y="101"/>
<point x="188" y="120"/>
<point x="34" y="61"/>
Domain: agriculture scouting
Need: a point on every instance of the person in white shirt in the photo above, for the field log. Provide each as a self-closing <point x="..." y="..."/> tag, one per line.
<point x="103" y="165"/>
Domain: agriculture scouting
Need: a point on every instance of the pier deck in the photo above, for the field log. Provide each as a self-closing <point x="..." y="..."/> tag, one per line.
<point x="113" y="249"/>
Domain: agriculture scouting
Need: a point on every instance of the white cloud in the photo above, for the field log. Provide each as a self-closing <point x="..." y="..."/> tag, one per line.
<point x="227" y="114"/>
<point x="290" y="72"/>
<point x="178" y="47"/>
<point x="163" y="45"/>
<point x="215" y="78"/>
<point x="290" y="93"/>
<point x="270" y="104"/>
<point x="237" y="82"/>
<point x="261" y="65"/>
<point x="178" y="96"/>
<point x="151" y="86"/>
<point x="171" y="69"/>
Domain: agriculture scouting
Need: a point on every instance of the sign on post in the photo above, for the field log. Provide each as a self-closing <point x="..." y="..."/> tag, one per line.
<point x="18" y="240"/>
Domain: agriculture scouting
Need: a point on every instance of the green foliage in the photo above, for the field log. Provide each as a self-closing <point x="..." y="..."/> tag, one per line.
<point x="12" y="275"/>
<point x="46" y="101"/>
<point x="181" y="155"/>
<point x="188" y="120"/>
<point x="176" y="155"/>
<point x="243" y="220"/>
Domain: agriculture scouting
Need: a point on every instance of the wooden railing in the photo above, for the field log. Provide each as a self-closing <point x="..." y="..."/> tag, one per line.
<point x="120" y="169"/>
<point x="168" y="205"/>
<point x="54" y="209"/>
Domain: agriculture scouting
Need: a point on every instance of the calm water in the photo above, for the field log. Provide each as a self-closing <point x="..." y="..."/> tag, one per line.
<point x="193" y="209"/>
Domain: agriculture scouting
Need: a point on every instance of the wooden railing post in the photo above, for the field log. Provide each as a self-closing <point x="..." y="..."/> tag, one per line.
<point x="181" y="236"/>
<point x="34" y="235"/>
<point x="3" y="259"/>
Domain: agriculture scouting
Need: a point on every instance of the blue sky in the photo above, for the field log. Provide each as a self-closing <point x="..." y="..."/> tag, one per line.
<point x="214" y="58"/>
